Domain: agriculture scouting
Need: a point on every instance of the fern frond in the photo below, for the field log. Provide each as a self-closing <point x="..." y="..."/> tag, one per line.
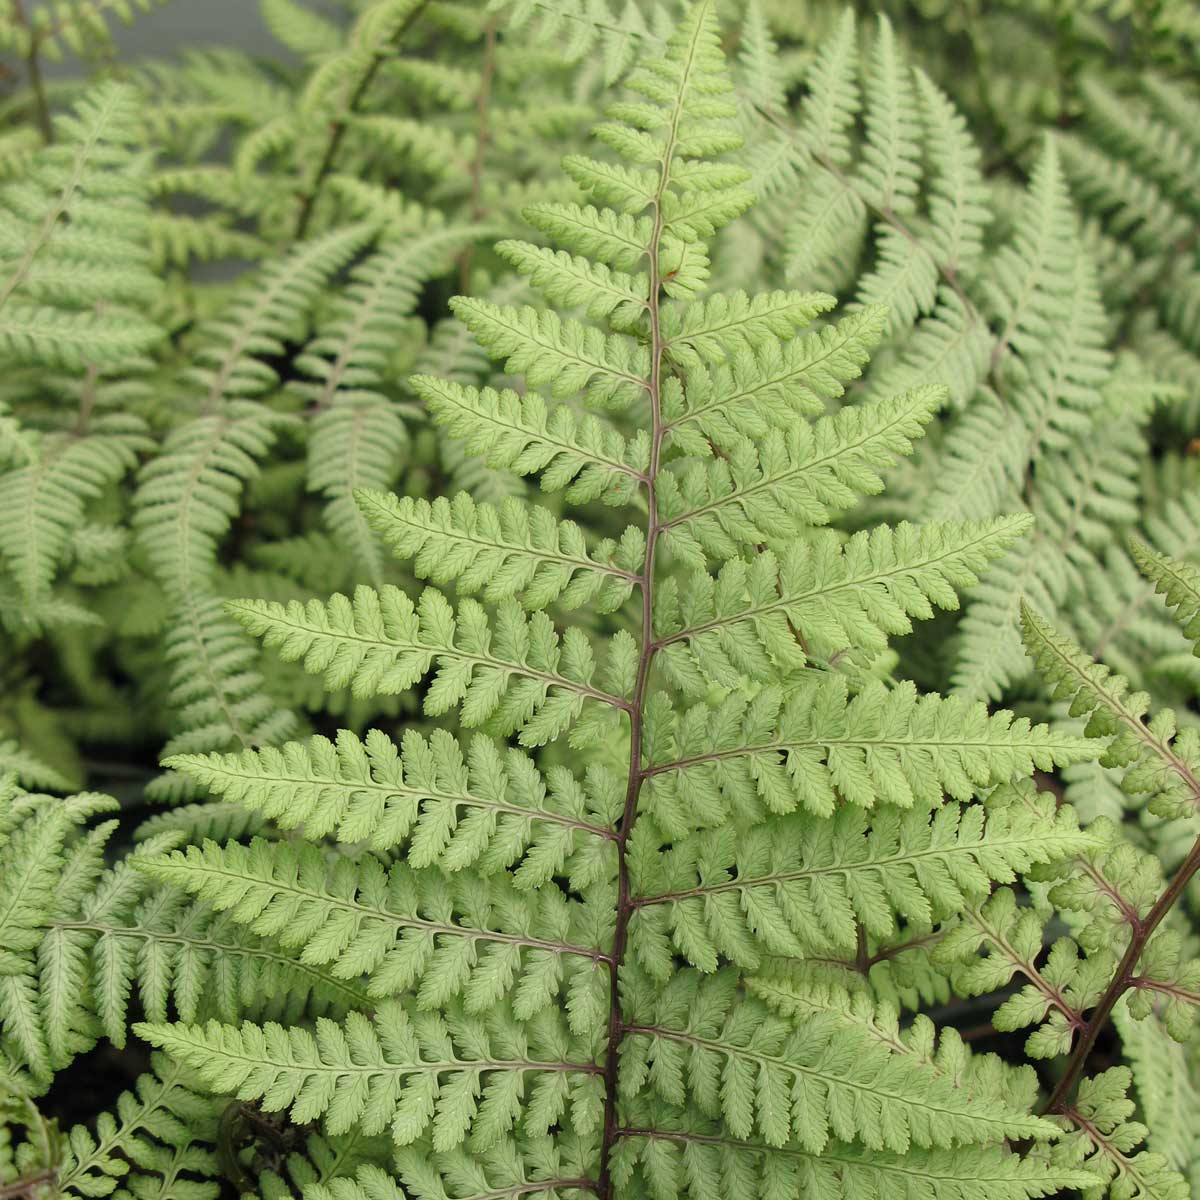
<point x="879" y="747"/>
<point x="357" y="432"/>
<point x="405" y="929"/>
<point x="715" y="1164"/>
<point x="1177" y="582"/>
<point x="567" y="355"/>
<point x="75" y="278"/>
<point x="35" y="856"/>
<point x="891" y="161"/>
<point x="526" y="680"/>
<point x="763" y="492"/>
<point x="515" y="549"/>
<point x="155" y="1145"/>
<point x="1156" y="761"/>
<point x="409" y="1074"/>
<point x="768" y="1078"/>
<point x="817" y="599"/>
<point x="803" y="885"/>
<point x="755" y="392"/>
<point x="582" y="454"/>
<point x="42" y="505"/>
<point x="1104" y="1137"/>
<point x="483" y="809"/>
<point x="726" y="327"/>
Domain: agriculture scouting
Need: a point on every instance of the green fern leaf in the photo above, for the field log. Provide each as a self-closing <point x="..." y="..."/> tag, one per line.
<point x="483" y="809"/>
<point x="406" y="1074"/>
<point x="515" y="549"/>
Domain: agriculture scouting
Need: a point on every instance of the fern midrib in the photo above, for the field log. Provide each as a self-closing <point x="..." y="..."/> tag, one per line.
<point x="419" y="1066"/>
<point x="616" y="1026"/>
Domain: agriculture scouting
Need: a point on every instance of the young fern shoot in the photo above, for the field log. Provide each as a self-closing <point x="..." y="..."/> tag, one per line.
<point x="571" y="965"/>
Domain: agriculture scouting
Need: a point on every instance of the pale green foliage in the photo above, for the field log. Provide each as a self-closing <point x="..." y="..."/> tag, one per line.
<point x="1158" y="759"/>
<point x="74" y="239"/>
<point x="615" y="840"/>
<point x="474" y="923"/>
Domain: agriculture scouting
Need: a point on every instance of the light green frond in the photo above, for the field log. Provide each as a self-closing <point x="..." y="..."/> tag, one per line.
<point x="393" y="1071"/>
<point x="579" y="29"/>
<point x="770" y="1079"/>
<point x="833" y="101"/>
<point x="357" y="435"/>
<point x="819" y="598"/>
<point x="1032" y="277"/>
<point x="713" y="1164"/>
<point x="1158" y="759"/>
<point x="803" y="885"/>
<point x="772" y="388"/>
<point x="1166" y="1088"/>
<point x="1103" y="1138"/>
<point x="879" y="747"/>
<point x="130" y="939"/>
<point x="904" y="280"/>
<point x="21" y="767"/>
<point x="155" y="1145"/>
<point x="569" y="356"/>
<point x="407" y="930"/>
<point x="43" y="505"/>
<point x="515" y="549"/>
<point x="75" y="278"/>
<point x="229" y="351"/>
<point x="516" y="676"/>
<point x="891" y="163"/>
<point x="36" y="856"/>
<point x="958" y="203"/>
<point x="583" y="454"/>
<point x="949" y="346"/>
<point x="214" y="685"/>
<point x="766" y="491"/>
<point x="486" y="809"/>
<point x="726" y="327"/>
<point x="299" y="27"/>
<point x="572" y="281"/>
<point x="1177" y="582"/>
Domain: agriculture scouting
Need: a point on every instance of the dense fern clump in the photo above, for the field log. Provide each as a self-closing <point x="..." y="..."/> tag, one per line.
<point x="599" y="600"/>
